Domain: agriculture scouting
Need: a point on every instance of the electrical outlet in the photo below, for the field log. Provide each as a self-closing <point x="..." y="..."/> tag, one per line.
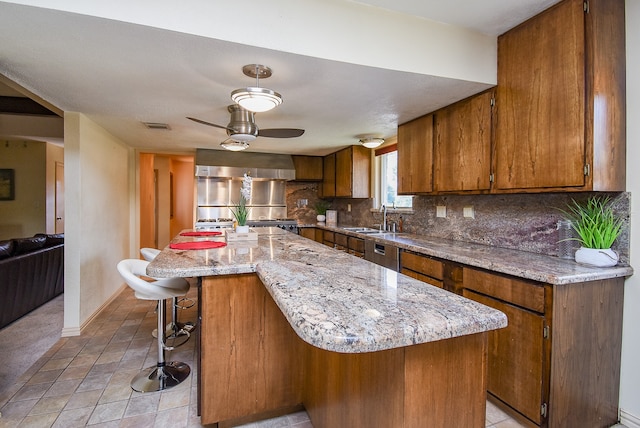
<point x="441" y="211"/>
<point x="468" y="212"/>
<point x="348" y="208"/>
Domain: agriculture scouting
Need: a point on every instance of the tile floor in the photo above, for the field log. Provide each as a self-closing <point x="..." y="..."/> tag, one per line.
<point x="84" y="380"/>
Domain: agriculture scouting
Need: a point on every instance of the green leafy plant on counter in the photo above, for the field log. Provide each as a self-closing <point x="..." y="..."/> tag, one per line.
<point x="321" y="206"/>
<point x="594" y="222"/>
<point x="240" y="211"/>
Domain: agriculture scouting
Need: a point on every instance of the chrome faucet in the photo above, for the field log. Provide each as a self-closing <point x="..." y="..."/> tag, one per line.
<point x="383" y="210"/>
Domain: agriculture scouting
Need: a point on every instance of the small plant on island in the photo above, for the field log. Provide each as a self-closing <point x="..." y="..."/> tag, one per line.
<point x="240" y="210"/>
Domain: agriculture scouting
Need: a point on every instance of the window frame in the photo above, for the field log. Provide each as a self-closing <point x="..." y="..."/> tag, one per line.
<point x="378" y="182"/>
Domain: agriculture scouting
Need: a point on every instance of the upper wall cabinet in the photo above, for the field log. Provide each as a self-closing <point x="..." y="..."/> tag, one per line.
<point x="328" y="187"/>
<point x="347" y="174"/>
<point x="415" y="156"/>
<point x="560" y="103"/>
<point x="353" y="172"/>
<point x="462" y="145"/>
<point x="308" y="168"/>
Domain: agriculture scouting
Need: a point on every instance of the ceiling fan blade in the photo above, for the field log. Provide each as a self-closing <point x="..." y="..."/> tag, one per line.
<point x="280" y="132"/>
<point x="211" y="124"/>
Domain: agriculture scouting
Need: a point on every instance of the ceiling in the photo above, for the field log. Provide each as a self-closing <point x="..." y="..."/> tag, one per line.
<point x="122" y="67"/>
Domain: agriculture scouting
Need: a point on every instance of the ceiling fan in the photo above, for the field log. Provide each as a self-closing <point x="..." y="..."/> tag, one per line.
<point x="242" y="128"/>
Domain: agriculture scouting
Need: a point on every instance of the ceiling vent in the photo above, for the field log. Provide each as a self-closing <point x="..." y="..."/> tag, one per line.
<point x="157" y="125"/>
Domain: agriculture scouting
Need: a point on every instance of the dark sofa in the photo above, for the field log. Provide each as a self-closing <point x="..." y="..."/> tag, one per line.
<point x="31" y="274"/>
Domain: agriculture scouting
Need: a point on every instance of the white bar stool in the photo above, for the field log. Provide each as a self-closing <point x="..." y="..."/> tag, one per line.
<point x="165" y="374"/>
<point x="175" y="329"/>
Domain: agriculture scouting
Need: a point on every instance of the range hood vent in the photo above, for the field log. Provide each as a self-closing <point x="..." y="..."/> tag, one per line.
<point x="223" y="163"/>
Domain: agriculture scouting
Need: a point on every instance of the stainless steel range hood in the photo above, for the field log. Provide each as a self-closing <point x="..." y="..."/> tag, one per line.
<point x="223" y="163"/>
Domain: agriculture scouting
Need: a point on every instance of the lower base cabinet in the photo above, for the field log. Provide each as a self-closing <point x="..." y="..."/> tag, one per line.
<point x="557" y="363"/>
<point x="253" y="366"/>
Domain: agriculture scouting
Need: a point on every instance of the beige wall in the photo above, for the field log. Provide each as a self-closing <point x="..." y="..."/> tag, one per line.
<point x="630" y="376"/>
<point x="99" y="196"/>
<point x="26" y="215"/>
<point x="55" y="155"/>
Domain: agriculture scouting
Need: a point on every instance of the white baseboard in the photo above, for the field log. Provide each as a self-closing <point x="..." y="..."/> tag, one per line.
<point x="76" y="331"/>
<point x="70" y="331"/>
<point x="629" y="420"/>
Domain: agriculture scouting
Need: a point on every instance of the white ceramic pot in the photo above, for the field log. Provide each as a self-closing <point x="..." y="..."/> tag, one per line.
<point x="242" y="229"/>
<point x="321" y="217"/>
<point x="597" y="257"/>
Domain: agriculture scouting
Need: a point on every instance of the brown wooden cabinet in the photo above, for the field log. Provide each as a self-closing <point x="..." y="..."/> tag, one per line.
<point x="346" y="243"/>
<point x="347" y="173"/>
<point x="341" y="242"/>
<point x="312" y="233"/>
<point x="462" y="145"/>
<point x="415" y="156"/>
<point x="328" y="238"/>
<point x="425" y="268"/>
<point x="328" y="187"/>
<point x="558" y="361"/>
<point x="560" y="100"/>
<point x="353" y="172"/>
<point x="356" y="246"/>
<point x="437" y="272"/>
<point x="308" y="168"/>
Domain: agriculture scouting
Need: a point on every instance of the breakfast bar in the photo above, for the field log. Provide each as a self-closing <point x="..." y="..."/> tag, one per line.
<point x="287" y="323"/>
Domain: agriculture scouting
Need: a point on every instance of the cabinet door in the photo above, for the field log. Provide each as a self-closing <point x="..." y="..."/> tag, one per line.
<point x="308" y="232"/>
<point x="353" y="172"/>
<point x="462" y="147"/>
<point x="329" y="176"/>
<point x="308" y="168"/>
<point x="540" y="101"/>
<point x="516" y="358"/>
<point x="360" y="172"/>
<point x="415" y="156"/>
<point x="344" y="161"/>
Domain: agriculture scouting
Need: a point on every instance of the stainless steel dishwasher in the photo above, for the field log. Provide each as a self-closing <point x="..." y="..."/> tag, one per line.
<point x="381" y="254"/>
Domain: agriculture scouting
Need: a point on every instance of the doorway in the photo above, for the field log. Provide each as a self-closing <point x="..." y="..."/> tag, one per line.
<point x="59" y="198"/>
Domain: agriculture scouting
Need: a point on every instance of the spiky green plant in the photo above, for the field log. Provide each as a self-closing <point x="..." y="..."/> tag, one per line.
<point x="321" y="206"/>
<point x="240" y="211"/>
<point x="594" y="222"/>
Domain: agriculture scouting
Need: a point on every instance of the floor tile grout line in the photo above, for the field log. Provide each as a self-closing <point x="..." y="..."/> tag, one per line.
<point x="104" y="338"/>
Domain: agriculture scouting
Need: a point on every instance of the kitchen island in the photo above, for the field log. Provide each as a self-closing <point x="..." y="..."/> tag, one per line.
<point x="287" y="322"/>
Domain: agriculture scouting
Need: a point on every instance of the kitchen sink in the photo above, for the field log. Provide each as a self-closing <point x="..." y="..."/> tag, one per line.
<point x="361" y="229"/>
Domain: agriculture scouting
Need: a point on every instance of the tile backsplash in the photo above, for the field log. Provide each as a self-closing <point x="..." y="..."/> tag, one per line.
<point x="526" y="222"/>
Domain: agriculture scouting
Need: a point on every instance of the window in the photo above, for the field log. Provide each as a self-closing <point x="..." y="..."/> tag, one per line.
<point x="388" y="167"/>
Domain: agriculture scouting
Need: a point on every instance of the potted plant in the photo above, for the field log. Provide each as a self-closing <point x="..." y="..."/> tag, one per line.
<point x="240" y="211"/>
<point x="321" y="207"/>
<point x="597" y="228"/>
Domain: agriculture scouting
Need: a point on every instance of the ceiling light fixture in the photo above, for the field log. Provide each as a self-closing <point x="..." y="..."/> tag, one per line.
<point x="234" y="146"/>
<point x="255" y="98"/>
<point x="371" y="142"/>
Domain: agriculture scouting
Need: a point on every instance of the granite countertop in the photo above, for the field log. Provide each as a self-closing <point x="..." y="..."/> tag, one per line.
<point x="522" y="264"/>
<point x="333" y="300"/>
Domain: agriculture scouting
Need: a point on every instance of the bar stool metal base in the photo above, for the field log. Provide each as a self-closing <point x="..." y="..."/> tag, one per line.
<point x="160" y="378"/>
<point x="178" y="333"/>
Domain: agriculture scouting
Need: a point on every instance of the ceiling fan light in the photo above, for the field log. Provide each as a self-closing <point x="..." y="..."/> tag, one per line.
<point x="234" y="146"/>
<point x="242" y="138"/>
<point x="256" y="99"/>
<point x="371" y="142"/>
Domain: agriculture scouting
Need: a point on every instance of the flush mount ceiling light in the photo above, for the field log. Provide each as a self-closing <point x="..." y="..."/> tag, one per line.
<point x="371" y="142"/>
<point x="234" y="146"/>
<point x="255" y="98"/>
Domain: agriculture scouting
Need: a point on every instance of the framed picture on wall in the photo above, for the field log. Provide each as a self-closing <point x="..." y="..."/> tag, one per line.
<point x="7" y="185"/>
